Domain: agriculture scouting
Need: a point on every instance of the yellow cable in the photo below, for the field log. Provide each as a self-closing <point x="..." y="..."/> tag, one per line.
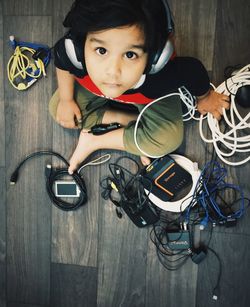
<point x="18" y="65"/>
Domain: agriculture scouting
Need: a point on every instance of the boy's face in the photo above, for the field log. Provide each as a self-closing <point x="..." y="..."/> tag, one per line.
<point x="115" y="59"/>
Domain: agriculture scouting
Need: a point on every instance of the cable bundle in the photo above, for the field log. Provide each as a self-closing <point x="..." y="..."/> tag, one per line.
<point x="236" y="140"/>
<point x="209" y="197"/>
<point x="127" y="185"/>
<point x="27" y="64"/>
<point x="53" y="174"/>
<point x="170" y="258"/>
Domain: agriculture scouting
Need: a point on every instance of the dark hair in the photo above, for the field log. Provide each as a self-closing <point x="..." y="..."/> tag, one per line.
<point x="94" y="15"/>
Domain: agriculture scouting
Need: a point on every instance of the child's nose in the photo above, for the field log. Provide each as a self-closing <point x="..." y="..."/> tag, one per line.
<point x="113" y="67"/>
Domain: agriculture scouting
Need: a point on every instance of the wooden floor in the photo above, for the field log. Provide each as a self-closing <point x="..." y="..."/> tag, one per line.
<point x="89" y="257"/>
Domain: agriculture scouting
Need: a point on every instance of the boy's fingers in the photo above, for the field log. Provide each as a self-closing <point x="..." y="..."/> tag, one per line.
<point x="226" y="105"/>
<point x="72" y="166"/>
<point x="71" y="170"/>
<point x="217" y="115"/>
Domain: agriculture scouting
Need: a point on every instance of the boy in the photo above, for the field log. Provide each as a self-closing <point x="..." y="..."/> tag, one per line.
<point x="118" y="52"/>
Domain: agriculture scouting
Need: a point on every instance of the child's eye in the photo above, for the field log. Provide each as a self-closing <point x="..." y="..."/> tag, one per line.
<point x="131" y="55"/>
<point x="101" y="50"/>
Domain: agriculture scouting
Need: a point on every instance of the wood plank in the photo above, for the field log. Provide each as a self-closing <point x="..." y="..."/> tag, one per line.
<point x="74" y="234"/>
<point x="28" y="209"/>
<point x="234" y="286"/>
<point x="2" y="285"/>
<point x="122" y="252"/>
<point x="194" y="31"/>
<point x="2" y="239"/>
<point x="15" y="304"/>
<point x="231" y="46"/>
<point x="27" y="7"/>
<point x="73" y="285"/>
<point x="195" y="28"/>
<point x="61" y="8"/>
<point x="169" y="288"/>
<point x="2" y="118"/>
<point x="233" y="22"/>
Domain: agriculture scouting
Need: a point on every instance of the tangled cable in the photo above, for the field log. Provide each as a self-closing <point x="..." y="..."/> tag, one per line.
<point x="52" y="174"/>
<point x="234" y="140"/>
<point x="27" y="63"/>
<point x="208" y="196"/>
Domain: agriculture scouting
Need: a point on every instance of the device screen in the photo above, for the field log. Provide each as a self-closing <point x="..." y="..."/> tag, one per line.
<point x="66" y="189"/>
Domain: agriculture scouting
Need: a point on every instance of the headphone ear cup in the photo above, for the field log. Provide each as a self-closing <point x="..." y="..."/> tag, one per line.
<point x="161" y="58"/>
<point x="65" y="56"/>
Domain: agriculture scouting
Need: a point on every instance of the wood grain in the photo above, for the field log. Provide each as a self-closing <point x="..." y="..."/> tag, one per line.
<point x="195" y="22"/>
<point x="122" y="249"/>
<point x="27" y="7"/>
<point x="2" y="238"/>
<point x="73" y="285"/>
<point x="2" y="117"/>
<point x="74" y="235"/>
<point x="232" y="45"/>
<point x="28" y="129"/>
<point x="235" y="256"/>
<point x="169" y="288"/>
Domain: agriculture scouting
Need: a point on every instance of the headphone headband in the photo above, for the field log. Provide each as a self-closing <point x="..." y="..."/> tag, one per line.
<point x="157" y="61"/>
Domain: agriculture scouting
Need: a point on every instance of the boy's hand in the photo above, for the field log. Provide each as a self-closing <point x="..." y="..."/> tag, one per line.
<point x="213" y="103"/>
<point x="68" y="114"/>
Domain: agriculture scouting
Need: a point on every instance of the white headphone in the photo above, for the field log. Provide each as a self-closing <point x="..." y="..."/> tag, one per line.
<point x="159" y="60"/>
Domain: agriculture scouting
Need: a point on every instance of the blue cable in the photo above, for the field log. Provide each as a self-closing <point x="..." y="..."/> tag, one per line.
<point x="212" y="181"/>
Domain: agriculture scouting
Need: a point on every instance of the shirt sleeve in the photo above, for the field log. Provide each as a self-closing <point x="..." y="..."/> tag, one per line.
<point x="160" y="130"/>
<point x="181" y="71"/>
<point x="192" y="74"/>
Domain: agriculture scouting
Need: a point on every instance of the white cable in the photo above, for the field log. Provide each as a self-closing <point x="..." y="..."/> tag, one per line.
<point x="233" y="141"/>
<point x="185" y="97"/>
<point x="97" y="161"/>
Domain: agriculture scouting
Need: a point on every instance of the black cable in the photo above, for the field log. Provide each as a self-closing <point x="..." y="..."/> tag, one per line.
<point x="128" y="185"/>
<point x="53" y="174"/>
<point x="217" y="285"/>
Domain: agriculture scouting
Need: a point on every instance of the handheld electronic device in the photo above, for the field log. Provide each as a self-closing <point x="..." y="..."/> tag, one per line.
<point x="66" y="188"/>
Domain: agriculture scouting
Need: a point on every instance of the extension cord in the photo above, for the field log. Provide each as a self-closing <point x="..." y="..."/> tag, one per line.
<point x="181" y="204"/>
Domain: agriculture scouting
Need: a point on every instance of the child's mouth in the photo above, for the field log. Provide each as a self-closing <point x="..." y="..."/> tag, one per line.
<point x="112" y="85"/>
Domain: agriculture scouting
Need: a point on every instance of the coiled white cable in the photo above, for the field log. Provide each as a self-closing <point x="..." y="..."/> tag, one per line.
<point x="185" y="97"/>
<point x="233" y="142"/>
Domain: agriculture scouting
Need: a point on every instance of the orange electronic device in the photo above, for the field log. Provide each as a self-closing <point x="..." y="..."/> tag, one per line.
<point x="165" y="178"/>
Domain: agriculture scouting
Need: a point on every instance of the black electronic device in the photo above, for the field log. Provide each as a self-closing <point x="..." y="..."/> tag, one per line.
<point x="165" y="178"/>
<point x="178" y="240"/>
<point x="242" y="96"/>
<point x="141" y="217"/>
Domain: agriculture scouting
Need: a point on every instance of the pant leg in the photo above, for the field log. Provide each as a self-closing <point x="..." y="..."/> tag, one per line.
<point x="92" y="107"/>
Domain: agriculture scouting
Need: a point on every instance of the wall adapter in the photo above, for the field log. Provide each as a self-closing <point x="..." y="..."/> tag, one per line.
<point x="198" y="255"/>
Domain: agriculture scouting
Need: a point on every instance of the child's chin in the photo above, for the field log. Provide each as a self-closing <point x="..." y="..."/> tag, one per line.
<point x="112" y="94"/>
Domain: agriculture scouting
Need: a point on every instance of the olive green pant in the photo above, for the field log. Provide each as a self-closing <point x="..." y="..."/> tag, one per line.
<point x="159" y="132"/>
